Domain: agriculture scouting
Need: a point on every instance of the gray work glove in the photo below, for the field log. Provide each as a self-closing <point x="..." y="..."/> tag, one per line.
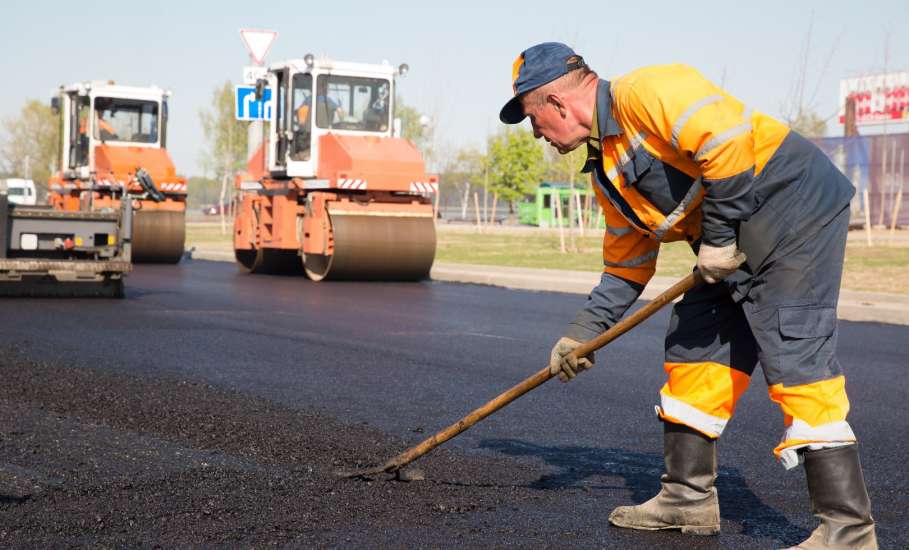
<point x="718" y="262"/>
<point x="565" y="365"/>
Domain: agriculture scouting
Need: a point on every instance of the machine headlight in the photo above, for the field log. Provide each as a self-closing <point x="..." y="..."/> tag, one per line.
<point x="28" y="241"/>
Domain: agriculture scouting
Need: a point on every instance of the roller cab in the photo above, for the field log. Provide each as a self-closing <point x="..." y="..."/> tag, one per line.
<point x="331" y="191"/>
<point x="113" y="145"/>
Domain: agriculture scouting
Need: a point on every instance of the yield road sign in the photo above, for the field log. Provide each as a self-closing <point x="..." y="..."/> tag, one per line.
<point x="258" y="42"/>
<point x="247" y="107"/>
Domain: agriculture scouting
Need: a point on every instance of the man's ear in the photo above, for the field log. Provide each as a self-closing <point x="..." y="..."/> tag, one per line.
<point x="558" y="104"/>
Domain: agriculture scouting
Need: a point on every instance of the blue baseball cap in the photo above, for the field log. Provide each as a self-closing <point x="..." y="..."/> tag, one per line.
<point x="537" y="65"/>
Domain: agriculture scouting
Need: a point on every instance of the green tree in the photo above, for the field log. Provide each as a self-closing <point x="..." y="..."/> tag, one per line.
<point x="516" y="164"/>
<point x="202" y="191"/>
<point x="461" y="172"/>
<point x="809" y="124"/>
<point x="225" y="136"/>
<point x="30" y="143"/>
<point x="468" y="166"/>
<point x="566" y="168"/>
<point x="417" y="127"/>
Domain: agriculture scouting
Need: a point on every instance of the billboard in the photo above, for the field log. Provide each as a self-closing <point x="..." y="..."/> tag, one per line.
<point x="879" y="98"/>
<point x="876" y="164"/>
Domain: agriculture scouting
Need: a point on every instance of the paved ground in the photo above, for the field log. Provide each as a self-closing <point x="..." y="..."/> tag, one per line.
<point x="877" y="307"/>
<point x="212" y="408"/>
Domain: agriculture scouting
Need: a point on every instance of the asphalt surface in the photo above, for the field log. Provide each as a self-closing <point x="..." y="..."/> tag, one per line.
<point x="212" y="408"/>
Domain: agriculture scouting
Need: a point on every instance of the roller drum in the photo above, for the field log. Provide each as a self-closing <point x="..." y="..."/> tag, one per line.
<point x="158" y="236"/>
<point x="248" y="260"/>
<point x="376" y="248"/>
<point x="269" y="261"/>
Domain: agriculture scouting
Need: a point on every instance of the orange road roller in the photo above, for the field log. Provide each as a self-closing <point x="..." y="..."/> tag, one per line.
<point x="113" y="144"/>
<point x="330" y="190"/>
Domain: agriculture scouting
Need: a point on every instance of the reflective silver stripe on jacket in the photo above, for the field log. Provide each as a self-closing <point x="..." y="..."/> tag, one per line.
<point x="612" y="175"/>
<point x="695" y="107"/>
<point x="723" y="138"/>
<point x="633" y="144"/>
<point x="643" y="258"/>
<point x="618" y="231"/>
<point x="680" y="209"/>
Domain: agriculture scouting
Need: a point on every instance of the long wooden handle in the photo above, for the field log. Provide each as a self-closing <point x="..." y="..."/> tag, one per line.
<point x="542" y="376"/>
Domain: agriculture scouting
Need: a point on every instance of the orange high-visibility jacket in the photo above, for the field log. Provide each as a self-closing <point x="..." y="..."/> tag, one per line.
<point x="679" y="156"/>
<point x="683" y="160"/>
<point x="102" y="125"/>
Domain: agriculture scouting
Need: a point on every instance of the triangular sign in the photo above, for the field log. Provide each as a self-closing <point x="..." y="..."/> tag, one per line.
<point x="258" y="42"/>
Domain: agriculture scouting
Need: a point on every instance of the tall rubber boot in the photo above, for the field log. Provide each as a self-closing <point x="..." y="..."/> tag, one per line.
<point x="839" y="499"/>
<point x="688" y="500"/>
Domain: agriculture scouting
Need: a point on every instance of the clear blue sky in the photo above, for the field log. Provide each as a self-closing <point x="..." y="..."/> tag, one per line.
<point x="460" y="56"/>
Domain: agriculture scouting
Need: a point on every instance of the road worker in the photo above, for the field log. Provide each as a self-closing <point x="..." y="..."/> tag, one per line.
<point x="300" y="147"/>
<point x="673" y="157"/>
<point x="328" y="108"/>
<point x="104" y="130"/>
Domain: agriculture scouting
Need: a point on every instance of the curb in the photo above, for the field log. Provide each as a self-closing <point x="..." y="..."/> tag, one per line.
<point x="211" y="255"/>
<point x="875" y="307"/>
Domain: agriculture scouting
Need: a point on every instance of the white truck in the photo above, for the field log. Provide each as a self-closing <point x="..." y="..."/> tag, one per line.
<point x="19" y="191"/>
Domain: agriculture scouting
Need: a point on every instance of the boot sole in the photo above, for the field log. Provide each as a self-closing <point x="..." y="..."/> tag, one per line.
<point x="700" y="530"/>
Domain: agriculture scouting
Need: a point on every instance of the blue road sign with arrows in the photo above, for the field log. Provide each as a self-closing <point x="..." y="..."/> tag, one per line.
<point x="247" y="107"/>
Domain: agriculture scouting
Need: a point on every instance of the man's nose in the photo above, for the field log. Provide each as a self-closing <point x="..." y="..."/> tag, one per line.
<point x="536" y="131"/>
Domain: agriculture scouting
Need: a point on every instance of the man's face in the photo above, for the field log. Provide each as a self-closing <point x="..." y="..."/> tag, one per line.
<point x="556" y="125"/>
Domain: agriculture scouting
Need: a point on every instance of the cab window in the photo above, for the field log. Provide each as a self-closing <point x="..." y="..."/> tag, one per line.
<point x="79" y="142"/>
<point x="352" y="103"/>
<point x="126" y="120"/>
<point x="301" y="117"/>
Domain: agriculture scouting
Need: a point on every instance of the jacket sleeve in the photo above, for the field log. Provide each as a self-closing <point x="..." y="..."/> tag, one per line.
<point x="629" y="259"/>
<point x="703" y="123"/>
<point x="605" y="305"/>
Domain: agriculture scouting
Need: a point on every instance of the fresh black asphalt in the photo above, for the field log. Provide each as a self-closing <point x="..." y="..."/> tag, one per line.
<point x="410" y="358"/>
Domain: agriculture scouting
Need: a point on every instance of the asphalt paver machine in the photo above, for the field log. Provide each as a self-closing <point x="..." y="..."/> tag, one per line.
<point x="330" y="189"/>
<point x="114" y="146"/>
<point x="50" y="252"/>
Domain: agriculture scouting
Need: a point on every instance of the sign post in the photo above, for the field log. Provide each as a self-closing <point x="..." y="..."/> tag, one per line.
<point x="258" y="42"/>
<point x="253" y="73"/>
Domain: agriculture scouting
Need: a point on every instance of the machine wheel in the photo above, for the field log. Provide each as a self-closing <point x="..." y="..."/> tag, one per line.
<point x="249" y="261"/>
<point x="316" y="266"/>
<point x="268" y="260"/>
<point x="158" y="236"/>
<point x="113" y="288"/>
<point x="376" y="248"/>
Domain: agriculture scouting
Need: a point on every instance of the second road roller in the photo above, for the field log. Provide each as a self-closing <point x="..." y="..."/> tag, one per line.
<point x="331" y="190"/>
<point x="114" y="144"/>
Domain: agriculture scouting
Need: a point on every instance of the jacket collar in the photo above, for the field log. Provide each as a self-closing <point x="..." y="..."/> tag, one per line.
<point x="603" y="125"/>
<point x="606" y="123"/>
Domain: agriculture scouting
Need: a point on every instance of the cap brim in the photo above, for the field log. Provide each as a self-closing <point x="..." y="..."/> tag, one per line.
<point x="512" y="112"/>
